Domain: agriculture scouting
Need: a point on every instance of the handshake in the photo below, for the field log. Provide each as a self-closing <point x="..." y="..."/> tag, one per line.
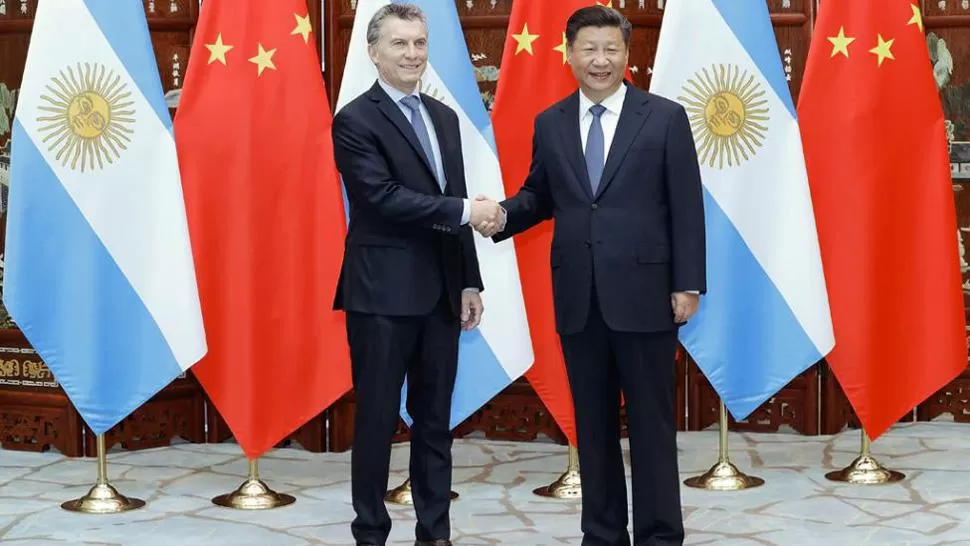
<point x="487" y="216"/>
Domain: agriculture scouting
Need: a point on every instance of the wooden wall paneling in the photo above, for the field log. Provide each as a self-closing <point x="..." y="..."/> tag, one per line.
<point x="35" y="414"/>
<point x="948" y="40"/>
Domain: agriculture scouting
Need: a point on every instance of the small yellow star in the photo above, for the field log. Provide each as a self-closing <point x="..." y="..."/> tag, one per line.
<point x="264" y="59"/>
<point x="562" y="48"/>
<point x="218" y="50"/>
<point x="524" y="40"/>
<point x="840" y="43"/>
<point x="883" y="50"/>
<point x="606" y="5"/>
<point x="917" y="18"/>
<point x="303" y="27"/>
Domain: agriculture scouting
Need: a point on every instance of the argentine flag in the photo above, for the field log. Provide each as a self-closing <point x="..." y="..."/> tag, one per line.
<point x="765" y="317"/>
<point x="99" y="273"/>
<point x="499" y="351"/>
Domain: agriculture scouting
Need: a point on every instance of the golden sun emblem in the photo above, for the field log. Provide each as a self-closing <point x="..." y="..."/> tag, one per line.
<point x="90" y="115"/>
<point x="727" y="113"/>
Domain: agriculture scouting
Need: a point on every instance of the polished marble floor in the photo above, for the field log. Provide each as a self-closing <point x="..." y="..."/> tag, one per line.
<point x="797" y="505"/>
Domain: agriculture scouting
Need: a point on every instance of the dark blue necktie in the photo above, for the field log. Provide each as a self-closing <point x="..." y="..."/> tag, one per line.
<point x="595" y="145"/>
<point x="413" y="104"/>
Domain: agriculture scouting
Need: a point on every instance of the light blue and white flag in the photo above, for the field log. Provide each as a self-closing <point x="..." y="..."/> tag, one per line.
<point x="499" y="351"/>
<point x="99" y="272"/>
<point x="765" y="317"/>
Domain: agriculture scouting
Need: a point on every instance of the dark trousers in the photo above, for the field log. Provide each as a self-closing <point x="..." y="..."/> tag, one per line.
<point x="600" y="362"/>
<point x="383" y="349"/>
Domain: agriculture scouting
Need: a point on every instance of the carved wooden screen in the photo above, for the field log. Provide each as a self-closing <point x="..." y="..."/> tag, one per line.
<point x="813" y="402"/>
<point x="35" y="414"/>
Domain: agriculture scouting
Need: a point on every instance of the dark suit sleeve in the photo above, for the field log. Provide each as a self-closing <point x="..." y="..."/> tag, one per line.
<point x="368" y="179"/>
<point x="533" y="202"/>
<point x="685" y="194"/>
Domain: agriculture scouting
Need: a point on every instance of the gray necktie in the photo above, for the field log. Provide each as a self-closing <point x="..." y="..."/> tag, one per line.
<point x="417" y="122"/>
<point x="594" y="147"/>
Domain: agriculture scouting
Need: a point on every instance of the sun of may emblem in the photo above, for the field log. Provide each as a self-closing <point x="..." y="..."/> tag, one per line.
<point x="89" y="117"/>
<point x="727" y="113"/>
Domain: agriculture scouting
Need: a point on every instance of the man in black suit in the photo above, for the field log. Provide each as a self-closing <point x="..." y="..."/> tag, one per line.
<point x="410" y="277"/>
<point x="617" y="169"/>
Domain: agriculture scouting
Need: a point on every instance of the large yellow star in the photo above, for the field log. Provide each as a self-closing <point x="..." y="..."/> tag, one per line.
<point x="917" y="18"/>
<point x="264" y="59"/>
<point x="524" y="40"/>
<point x="218" y="50"/>
<point x="562" y="48"/>
<point x="883" y="50"/>
<point x="840" y="43"/>
<point x="303" y="27"/>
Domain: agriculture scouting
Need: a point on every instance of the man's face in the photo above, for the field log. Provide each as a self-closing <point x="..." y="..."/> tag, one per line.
<point x="598" y="57"/>
<point x="401" y="53"/>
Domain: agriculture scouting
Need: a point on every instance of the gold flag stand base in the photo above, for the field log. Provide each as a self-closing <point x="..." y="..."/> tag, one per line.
<point x="402" y="494"/>
<point x="253" y="494"/>
<point x="723" y="476"/>
<point x="865" y="470"/>
<point x="102" y="498"/>
<point x="569" y="485"/>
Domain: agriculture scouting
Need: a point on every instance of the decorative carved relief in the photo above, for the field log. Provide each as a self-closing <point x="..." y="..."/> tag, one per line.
<point x="793" y="407"/>
<point x="38" y="422"/>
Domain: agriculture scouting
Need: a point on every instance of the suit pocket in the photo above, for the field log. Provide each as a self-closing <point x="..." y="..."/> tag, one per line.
<point x="653" y="254"/>
<point x="377" y="241"/>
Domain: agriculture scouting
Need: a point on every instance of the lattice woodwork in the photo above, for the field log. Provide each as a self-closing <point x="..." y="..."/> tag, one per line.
<point x="178" y="411"/>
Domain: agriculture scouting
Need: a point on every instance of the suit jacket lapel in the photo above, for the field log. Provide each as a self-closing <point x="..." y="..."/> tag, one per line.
<point x="635" y="113"/>
<point x="573" y="143"/>
<point x="393" y="112"/>
<point x="444" y="140"/>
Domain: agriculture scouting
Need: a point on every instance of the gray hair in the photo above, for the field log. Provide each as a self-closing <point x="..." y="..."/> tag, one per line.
<point x="406" y="12"/>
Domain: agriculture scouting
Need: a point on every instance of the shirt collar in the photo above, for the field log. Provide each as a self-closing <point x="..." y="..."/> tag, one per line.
<point x="395" y="93"/>
<point x="612" y="103"/>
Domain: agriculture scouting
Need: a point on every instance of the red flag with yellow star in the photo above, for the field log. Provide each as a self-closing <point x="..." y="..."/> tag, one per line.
<point x="266" y="218"/>
<point x="534" y="77"/>
<point x="876" y="154"/>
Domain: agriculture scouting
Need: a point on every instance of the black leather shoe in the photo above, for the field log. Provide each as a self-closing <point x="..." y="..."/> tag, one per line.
<point x="432" y="543"/>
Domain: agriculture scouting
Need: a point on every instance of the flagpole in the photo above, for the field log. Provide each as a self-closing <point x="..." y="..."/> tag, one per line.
<point x="568" y="485"/>
<point x="103" y="498"/>
<point x="253" y="494"/>
<point x="723" y="476"/>
<point x="865" y="469"/>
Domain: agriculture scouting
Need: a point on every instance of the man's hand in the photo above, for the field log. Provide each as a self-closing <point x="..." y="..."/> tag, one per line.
<point x="471" y="310"/>
<point x="684" y="305"/>
<point x="487" y="216"/>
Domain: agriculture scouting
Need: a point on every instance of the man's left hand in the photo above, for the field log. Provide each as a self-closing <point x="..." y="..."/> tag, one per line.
<point x="684" y="305"/>
<point x="471" y="310"/>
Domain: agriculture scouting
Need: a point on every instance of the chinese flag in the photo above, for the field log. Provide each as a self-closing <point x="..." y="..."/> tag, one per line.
<point x="876" y="154"/>
<point x="534" y="77"/>
<point x="266" y="218"/>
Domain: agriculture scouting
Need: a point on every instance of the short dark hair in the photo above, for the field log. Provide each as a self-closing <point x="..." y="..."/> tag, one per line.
<point x="597" y="16"/>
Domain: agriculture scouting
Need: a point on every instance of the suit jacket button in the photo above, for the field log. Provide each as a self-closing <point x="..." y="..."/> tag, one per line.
<point x="588" y="244"/>
<point x="594" y="206"/>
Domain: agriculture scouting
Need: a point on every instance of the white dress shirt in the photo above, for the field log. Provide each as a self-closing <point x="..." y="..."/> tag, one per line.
<point x="609" y="119"/>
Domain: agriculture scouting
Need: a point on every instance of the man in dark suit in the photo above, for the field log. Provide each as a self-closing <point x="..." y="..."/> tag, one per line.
<point x="410" y="277"/>
<point x="617" y="169"/>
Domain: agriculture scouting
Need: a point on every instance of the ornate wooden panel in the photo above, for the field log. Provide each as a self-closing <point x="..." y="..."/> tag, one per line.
<point x="35" y="414"/>
<point x="795" y="407"/>
<point x="517" y="412"/>
<point x="177" y="411"/>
